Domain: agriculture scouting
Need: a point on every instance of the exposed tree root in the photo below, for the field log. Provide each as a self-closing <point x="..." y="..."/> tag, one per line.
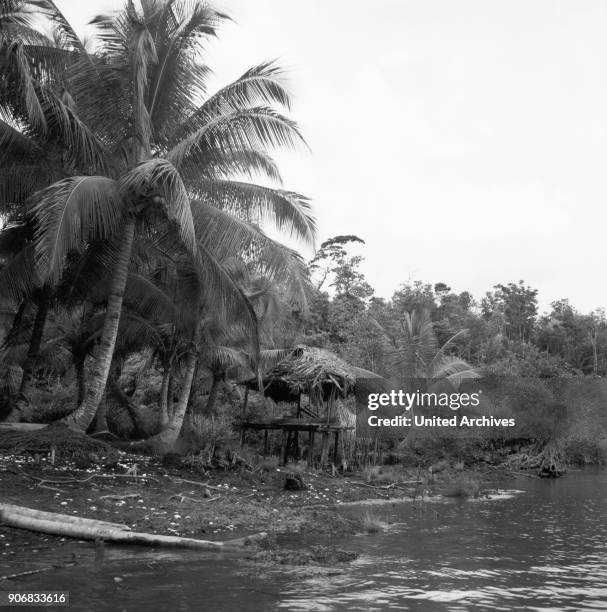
<point x="547" y="461"/>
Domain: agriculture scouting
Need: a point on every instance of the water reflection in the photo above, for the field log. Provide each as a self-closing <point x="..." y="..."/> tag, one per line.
<point x="544" y="549"/>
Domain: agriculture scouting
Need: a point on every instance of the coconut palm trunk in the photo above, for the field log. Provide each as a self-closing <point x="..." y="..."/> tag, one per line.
<point x="13" y="333"/>
<point x="166" y="440"/>
<point x="85" y="413"/>
<point x="213" y="392"/>
<point x="35" y="342"/>
<point x="80" y="381"/>
<point x="21" y="412"/>
<point x="164" y="399"/>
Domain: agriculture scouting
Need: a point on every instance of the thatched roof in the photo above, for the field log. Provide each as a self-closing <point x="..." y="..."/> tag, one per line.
<point x="315" y="372"/>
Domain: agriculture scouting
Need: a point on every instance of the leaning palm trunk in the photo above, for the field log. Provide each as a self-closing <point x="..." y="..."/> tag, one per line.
<point x="35" y="343"/>
<point x="164" y="399"/>
<point x="84" y="415"/>
<point x="80" y="381"/>
<point x="22" y="411"/>
<point x="212" y="400"/>
<point x="166" y="440"/>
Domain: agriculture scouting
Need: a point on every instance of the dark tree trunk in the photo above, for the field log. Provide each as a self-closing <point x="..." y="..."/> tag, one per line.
<point x="210" y="407"/>
<point x="80" y="381"/>
<point x="84" y="415"/>
<point x="170" y="393"/>
<point x="166" y="440"/>
<point x="13" y="334"/>
<point x="125" y="401"/>
<point x="165" y="399"/>
<point x="35" y="343"/>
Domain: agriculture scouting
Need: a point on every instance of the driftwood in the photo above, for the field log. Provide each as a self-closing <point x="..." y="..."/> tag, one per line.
<point x="201" y="484"/>
<point x="238" y="543"/>
<point x="83" y="480"/>
<point x="40" y="570"/>
<point x="90" y="529"/>
<point x="22" y="426"/>
<point x="181" y="497"/>
<point x="120" y="497"/>
<point x="55" y="516"/>
<point x="392" y="485"/>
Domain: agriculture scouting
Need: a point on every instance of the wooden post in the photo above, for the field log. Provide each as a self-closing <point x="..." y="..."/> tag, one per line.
<point x="244" y="417"/>
<point x="324" y="449"/>
<point x="335" y="445"/>
<point x="285" y="446"/>
<point x="311" y="433"/>
<point x="265" y="442"/>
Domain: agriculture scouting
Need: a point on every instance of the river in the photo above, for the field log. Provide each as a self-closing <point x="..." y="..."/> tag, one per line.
<point x="542" y="545"/>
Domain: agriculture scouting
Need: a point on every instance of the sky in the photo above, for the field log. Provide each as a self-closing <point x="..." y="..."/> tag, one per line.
<point x="465" y="142"/>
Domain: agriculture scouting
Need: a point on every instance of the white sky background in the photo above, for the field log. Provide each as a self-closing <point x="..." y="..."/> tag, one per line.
<point x="465" y="142"/>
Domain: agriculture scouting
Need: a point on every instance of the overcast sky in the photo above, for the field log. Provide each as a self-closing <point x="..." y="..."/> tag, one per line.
<point x="465" y="142"/>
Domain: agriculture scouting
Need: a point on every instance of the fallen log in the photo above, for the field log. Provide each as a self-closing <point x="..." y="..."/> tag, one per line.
<point x="55" y="516"/>
<point x="78" y="527"/>
<point x="22" y="426"/>
<point x="249" y="540"/>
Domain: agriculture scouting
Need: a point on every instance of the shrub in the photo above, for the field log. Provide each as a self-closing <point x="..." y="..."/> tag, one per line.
<point x="463" y="486"/>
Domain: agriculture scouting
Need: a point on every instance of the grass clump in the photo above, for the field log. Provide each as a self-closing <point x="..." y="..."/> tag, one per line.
<point x="370" y="523"/>
<point x="382" y="473"/>
<point x="463" y="487"/>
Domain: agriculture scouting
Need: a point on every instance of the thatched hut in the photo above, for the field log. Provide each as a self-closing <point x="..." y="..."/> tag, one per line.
<point x="324" y="378"/>
<point x="318" y="373"/>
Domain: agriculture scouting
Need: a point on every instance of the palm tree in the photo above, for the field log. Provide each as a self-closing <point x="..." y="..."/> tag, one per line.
<point x="132" y="115"/>
<point x="416" y="354"/>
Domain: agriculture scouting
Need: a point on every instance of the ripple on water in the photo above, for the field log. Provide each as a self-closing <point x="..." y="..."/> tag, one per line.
<point x="542" y="548"/>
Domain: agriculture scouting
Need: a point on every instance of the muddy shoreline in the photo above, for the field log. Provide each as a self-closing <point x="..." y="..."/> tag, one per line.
<point x="148" y="495"/>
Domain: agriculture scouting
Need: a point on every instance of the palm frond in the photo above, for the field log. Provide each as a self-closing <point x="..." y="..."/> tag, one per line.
<point x="462" y="333"/>
<point x="220" y="358"/>
<point x="32" y="105"/>
<point x="227" y="235"/>
<point x="257" y="128"/>
<point x="143" y="54"/>
<point x="18" y="277"/>
<point x="71" y="213"/>
<point x="259" y="86"/>
<point x="455" y="370"/>
<point x="269" y="358"/>
<point x="289" y="212"/>
<point x="19" y="182"/>
<point x="148" y="300"/>
<point x="13" y="143"/>
<point x="232" y="164"/>
<point x="15" y="14"/>
<point x="158" y="176"/>
<point x="179" y="77"/>
<point x="50" y="10"/>
<point x="80" y="144"/>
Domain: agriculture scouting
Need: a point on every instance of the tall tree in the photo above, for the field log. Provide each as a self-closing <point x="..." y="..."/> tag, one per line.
<point x="134" y="120"/>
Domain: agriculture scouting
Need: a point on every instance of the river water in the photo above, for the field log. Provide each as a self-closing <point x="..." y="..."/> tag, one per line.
<point x="541" y="545"/>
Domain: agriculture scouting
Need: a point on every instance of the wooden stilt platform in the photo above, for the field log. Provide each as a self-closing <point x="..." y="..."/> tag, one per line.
<point x="290" y="432"/>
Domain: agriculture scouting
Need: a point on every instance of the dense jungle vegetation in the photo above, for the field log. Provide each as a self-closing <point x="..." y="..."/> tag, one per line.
<point x="137" y="283"/>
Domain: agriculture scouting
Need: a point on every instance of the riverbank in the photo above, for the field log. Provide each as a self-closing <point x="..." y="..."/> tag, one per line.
<point x="151" y="495"/>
